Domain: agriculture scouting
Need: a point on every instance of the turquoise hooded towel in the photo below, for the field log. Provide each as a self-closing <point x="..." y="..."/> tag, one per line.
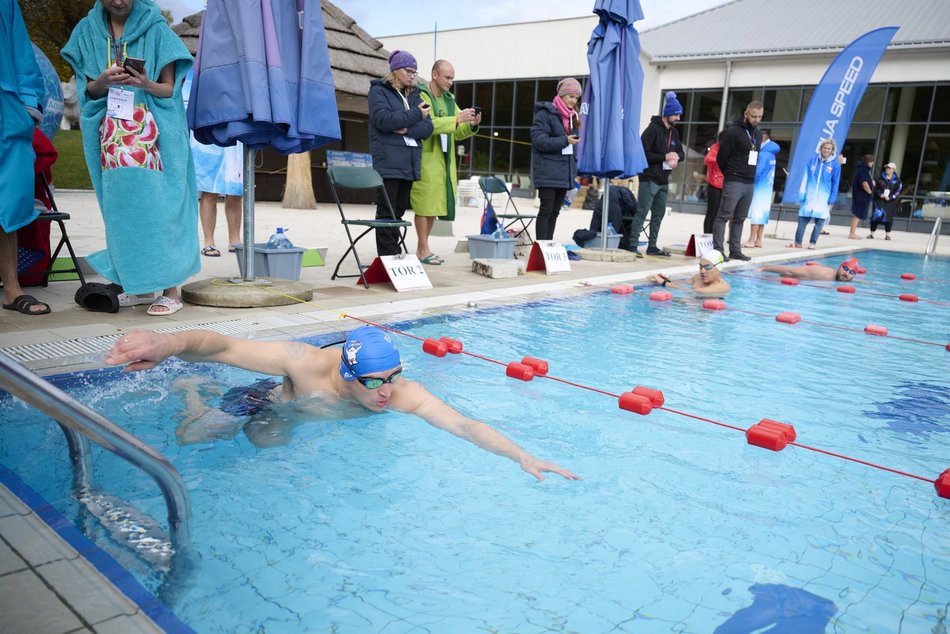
<point x="141" y="168"/>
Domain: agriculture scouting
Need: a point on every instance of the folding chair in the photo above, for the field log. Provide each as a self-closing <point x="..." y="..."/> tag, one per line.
<point x="491" y="185"/>
<point x="349" y="177"/>
<point x="57" y="216"/>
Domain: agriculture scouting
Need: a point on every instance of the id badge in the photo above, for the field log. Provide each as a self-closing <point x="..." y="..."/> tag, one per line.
<point x="410" y="141"/>
<point x="445" y="142"/>
<point x="568" y="150"/>
<point x="666" y="166"/>
<point x="753" y="157"/>
<point x="119" y="104"/>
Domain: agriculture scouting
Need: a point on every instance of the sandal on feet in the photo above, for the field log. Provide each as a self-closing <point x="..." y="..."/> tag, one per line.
<point x="811" y="246"/>
<point x="887" y="237"/>
<point x="24" y="303"/>
<point x="433" y="259"/>
<point x="792" y="245"/>
<point x="211" y="252"/>
<point x="163" y="306"/>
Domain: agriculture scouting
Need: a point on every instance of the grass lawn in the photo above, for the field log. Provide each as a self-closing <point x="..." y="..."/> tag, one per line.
<point x="69" y="170"/>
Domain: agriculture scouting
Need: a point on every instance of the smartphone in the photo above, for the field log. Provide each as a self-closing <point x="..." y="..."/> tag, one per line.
<point x="136" y="64"/>
<point x="477" y="110"/>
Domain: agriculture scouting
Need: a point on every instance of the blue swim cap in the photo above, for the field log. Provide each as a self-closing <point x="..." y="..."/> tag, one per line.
<point x="368" y="349"/>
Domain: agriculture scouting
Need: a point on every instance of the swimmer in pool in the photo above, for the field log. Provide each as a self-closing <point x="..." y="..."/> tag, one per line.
<point x="367" y="372"/>
<point x="708" y="282"/>
<point x="844" y="273"/>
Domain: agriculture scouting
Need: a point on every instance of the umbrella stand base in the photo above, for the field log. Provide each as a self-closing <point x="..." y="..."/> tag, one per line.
<point x="239" y="293"/>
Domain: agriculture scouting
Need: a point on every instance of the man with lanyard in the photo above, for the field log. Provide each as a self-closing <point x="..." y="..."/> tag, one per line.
<point x="737" y="158"/>
<point x="433" y="195"/>
<point x="663" y="150"/>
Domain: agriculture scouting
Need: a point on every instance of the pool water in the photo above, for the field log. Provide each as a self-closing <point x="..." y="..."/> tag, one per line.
<point x="382" y="523"/>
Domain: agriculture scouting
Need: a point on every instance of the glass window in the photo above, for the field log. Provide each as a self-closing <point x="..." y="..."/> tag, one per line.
<point x="784" y="136"/>
<point x="940" y="110"/>
<point x="908" y="103"/>
<point x="547" y="89"/>
<point x="463" y="93"/>
<point x="521" y="158"/>
<point x="862" y="139"/>
<point x="738" y="100"/>
<point x="504" y="102"/>
<point x="701" y="137"/>
<point x="782" y="104"/>
<point x="501" y="150"/>
<point x="479" y="159"/>
<point x="871" y="105"/>
<point x="483" y="99"/>
<point x="524" y="103"/>
<point x="935" y="169"/>
<point x="707" y="106"/>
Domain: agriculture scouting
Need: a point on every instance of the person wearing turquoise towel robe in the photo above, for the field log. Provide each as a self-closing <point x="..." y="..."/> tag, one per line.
<point x="21" y="90"/>
<point x="135" y="141"/>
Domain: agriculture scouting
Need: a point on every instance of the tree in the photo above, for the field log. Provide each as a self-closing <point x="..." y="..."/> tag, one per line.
<point x="298" y="192"/>
<point x="50" y="23"/>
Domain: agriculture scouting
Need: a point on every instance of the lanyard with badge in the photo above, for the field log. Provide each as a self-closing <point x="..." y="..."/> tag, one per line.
<point x="411" y="142"/>
<point x="753" y="153"/>
<point x="120" y="102"/>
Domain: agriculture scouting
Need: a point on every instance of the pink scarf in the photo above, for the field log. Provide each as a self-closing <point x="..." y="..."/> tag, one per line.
<point x="567" y="115"/>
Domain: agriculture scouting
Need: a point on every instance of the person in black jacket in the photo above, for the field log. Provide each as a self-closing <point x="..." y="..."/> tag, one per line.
<point x="737" y="158"/>
<point x="553" y="166"/>
<point x="663" y="149"/>
<point x="398" y="120"/>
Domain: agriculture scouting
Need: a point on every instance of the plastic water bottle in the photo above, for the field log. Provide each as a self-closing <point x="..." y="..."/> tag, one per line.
<point x="280" y="240"/>
<point x="499" y="233"/>
<point x="610" y="229"/>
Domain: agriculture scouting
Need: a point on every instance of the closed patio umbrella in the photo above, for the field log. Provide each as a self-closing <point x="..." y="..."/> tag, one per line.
<point x="610" y="145"/>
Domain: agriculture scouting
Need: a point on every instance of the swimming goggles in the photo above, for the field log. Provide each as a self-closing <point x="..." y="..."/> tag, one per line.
<point x="847" y="269"/>
<point x="707" y="267"/>
<point x="372" y="383"/>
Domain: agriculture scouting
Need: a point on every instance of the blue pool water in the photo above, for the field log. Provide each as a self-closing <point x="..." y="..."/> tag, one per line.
<point x="382" y="523"/>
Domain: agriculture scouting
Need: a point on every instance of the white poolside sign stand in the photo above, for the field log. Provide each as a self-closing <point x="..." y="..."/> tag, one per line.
<point x="406" y="272"/>
<point x="549" y="256"/>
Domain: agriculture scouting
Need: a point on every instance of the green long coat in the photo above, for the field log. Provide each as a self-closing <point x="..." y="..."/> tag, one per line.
<point x="434" y="193"/>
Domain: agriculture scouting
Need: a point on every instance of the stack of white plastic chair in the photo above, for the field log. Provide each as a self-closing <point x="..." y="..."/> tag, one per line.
<point x="469" y="194"/>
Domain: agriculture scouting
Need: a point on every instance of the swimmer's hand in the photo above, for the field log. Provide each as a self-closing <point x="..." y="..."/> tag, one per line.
<point x="140" y="349"/>
<point x="659" y="278"/>
<point x="535" y="467"/>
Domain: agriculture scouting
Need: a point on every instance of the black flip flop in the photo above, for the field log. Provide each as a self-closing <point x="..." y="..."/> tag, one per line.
<point x="99" y="298"/>
<point x="23" y="303"/>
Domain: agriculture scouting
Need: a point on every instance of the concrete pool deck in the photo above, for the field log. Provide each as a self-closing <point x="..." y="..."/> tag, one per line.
<point x="46" y="586"/>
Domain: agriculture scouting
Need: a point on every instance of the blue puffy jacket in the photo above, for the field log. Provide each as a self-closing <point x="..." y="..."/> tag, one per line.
<point x="392" y="158"/>
<point x="550" y="168"/>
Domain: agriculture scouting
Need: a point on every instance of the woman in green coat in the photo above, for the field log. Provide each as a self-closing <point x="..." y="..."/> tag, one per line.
<point x="434" y="194"/>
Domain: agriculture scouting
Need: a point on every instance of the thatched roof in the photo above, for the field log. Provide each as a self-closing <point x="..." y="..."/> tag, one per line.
<point x="355" y="56"/>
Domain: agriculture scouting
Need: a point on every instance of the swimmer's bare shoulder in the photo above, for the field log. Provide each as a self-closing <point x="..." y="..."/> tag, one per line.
<point x="308" y="368"/>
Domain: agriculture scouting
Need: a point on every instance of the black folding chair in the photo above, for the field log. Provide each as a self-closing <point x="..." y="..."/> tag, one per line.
<point x="349" y="177"/>
<point x="57" y="216"/>
<point x="509" y="215"/>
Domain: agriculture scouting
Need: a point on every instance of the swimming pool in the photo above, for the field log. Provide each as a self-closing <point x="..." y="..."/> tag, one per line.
<point x="381" y="523"/>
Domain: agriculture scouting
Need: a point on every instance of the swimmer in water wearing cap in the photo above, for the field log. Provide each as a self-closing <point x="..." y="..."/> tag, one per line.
<point x="844" y="273"/>
<point x="707" y="282"/>
<point x="368" y="372"/>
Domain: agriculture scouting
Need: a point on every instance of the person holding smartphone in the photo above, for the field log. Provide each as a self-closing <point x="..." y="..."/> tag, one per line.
<point x="398" y="123"/>
<point x="554" y="166"/>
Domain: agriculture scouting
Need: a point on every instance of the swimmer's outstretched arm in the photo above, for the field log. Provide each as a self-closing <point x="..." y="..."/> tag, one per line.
<point x="784" y="271"/>
<point x="416" y="399"/>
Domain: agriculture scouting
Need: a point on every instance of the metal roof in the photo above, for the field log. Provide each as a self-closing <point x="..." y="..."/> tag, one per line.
<point x="763" y="28"/>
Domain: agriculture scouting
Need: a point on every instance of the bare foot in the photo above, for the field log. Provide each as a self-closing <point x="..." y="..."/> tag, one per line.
<point x="758" y="245"/>
<point x="854" y="237"/>
<point x="751" y="245"/>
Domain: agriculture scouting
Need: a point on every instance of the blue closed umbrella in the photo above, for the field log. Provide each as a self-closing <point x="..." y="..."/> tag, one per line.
<point x="610" y="144"/>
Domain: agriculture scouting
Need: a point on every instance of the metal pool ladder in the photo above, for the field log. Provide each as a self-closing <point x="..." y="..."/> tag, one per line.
<point x="934" y="235"/>
<point x="129" y="527"/>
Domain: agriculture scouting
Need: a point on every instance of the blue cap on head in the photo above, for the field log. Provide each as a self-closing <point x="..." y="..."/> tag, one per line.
<point x="671" y="105"/>
<point x="368" y="349"/>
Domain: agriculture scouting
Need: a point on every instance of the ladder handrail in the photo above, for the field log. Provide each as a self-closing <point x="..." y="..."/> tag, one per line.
<point x="934" y="235"/>
<point x="75" y="416"/>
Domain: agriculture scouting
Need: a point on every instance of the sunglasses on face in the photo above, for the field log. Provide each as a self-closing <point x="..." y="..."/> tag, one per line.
<point x="707" y="267"/>
<point x="372" y="382"/>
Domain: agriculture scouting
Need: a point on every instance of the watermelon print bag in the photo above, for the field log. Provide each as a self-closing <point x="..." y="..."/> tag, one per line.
<point x="130" y="143"/>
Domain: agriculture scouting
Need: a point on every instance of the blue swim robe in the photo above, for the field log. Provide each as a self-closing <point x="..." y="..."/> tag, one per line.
<point x="142" y="168"/>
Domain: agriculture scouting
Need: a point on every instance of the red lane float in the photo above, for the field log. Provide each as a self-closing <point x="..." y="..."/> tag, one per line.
<point x="847" y="289"/>
<point x="454" y="345"/>
<point x="714" y="304"/>
<point x="655" y="396"/>
<point x="788" y="317"/>
<point x="942" y="484"/>
<point x="621" y="289"/>
<point x="909" y="297"/>
<point x="789" y="281"/>
<point x="770" y="434"/>
<point x="811" y="263"/>
<point x="908" y="276"/>
<point x="871" y="329"/>
<point x="862" y="270"/>
<point x="661" y="296"/>
<point x="435" y="347"/>
<point x="637" y="403"/>
<point x="519" y="371"/>
<point x="540" y="366"/>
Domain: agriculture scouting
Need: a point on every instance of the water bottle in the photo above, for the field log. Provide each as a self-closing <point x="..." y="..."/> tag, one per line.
<point x="280" y="240"/>
<point x="499" y="233"/>
<point x="610" y="229"/>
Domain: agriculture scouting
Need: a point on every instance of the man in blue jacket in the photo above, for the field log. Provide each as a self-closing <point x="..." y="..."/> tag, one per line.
<point x="664" y="151"/>
<point x="737" y="158"/>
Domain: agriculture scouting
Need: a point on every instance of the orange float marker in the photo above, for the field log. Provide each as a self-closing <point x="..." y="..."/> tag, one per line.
<point x="942" y="484"/>
<point x="847" y="289"/>
<point x="621" y="289"/>
<point x="908" y="276"/>
<point x="435" y="347"/>
<point x="636" y="403"/>
<point x="871" y="329"/>
<point x="789" y="281"/>
<point x="909" y="297"/>
<point x="655" y="396"/>
<point x="520" y="371"/>
<point x="714" y="304"/>
<point x="661" y="296"/>
<point x="788" y="318"/>
<point x="454" y="345"/>
<point x="862" y="270"/>
<point x="540" y="366"/>
<point x="811" y="263"/>
<point x="770" y="434"/>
